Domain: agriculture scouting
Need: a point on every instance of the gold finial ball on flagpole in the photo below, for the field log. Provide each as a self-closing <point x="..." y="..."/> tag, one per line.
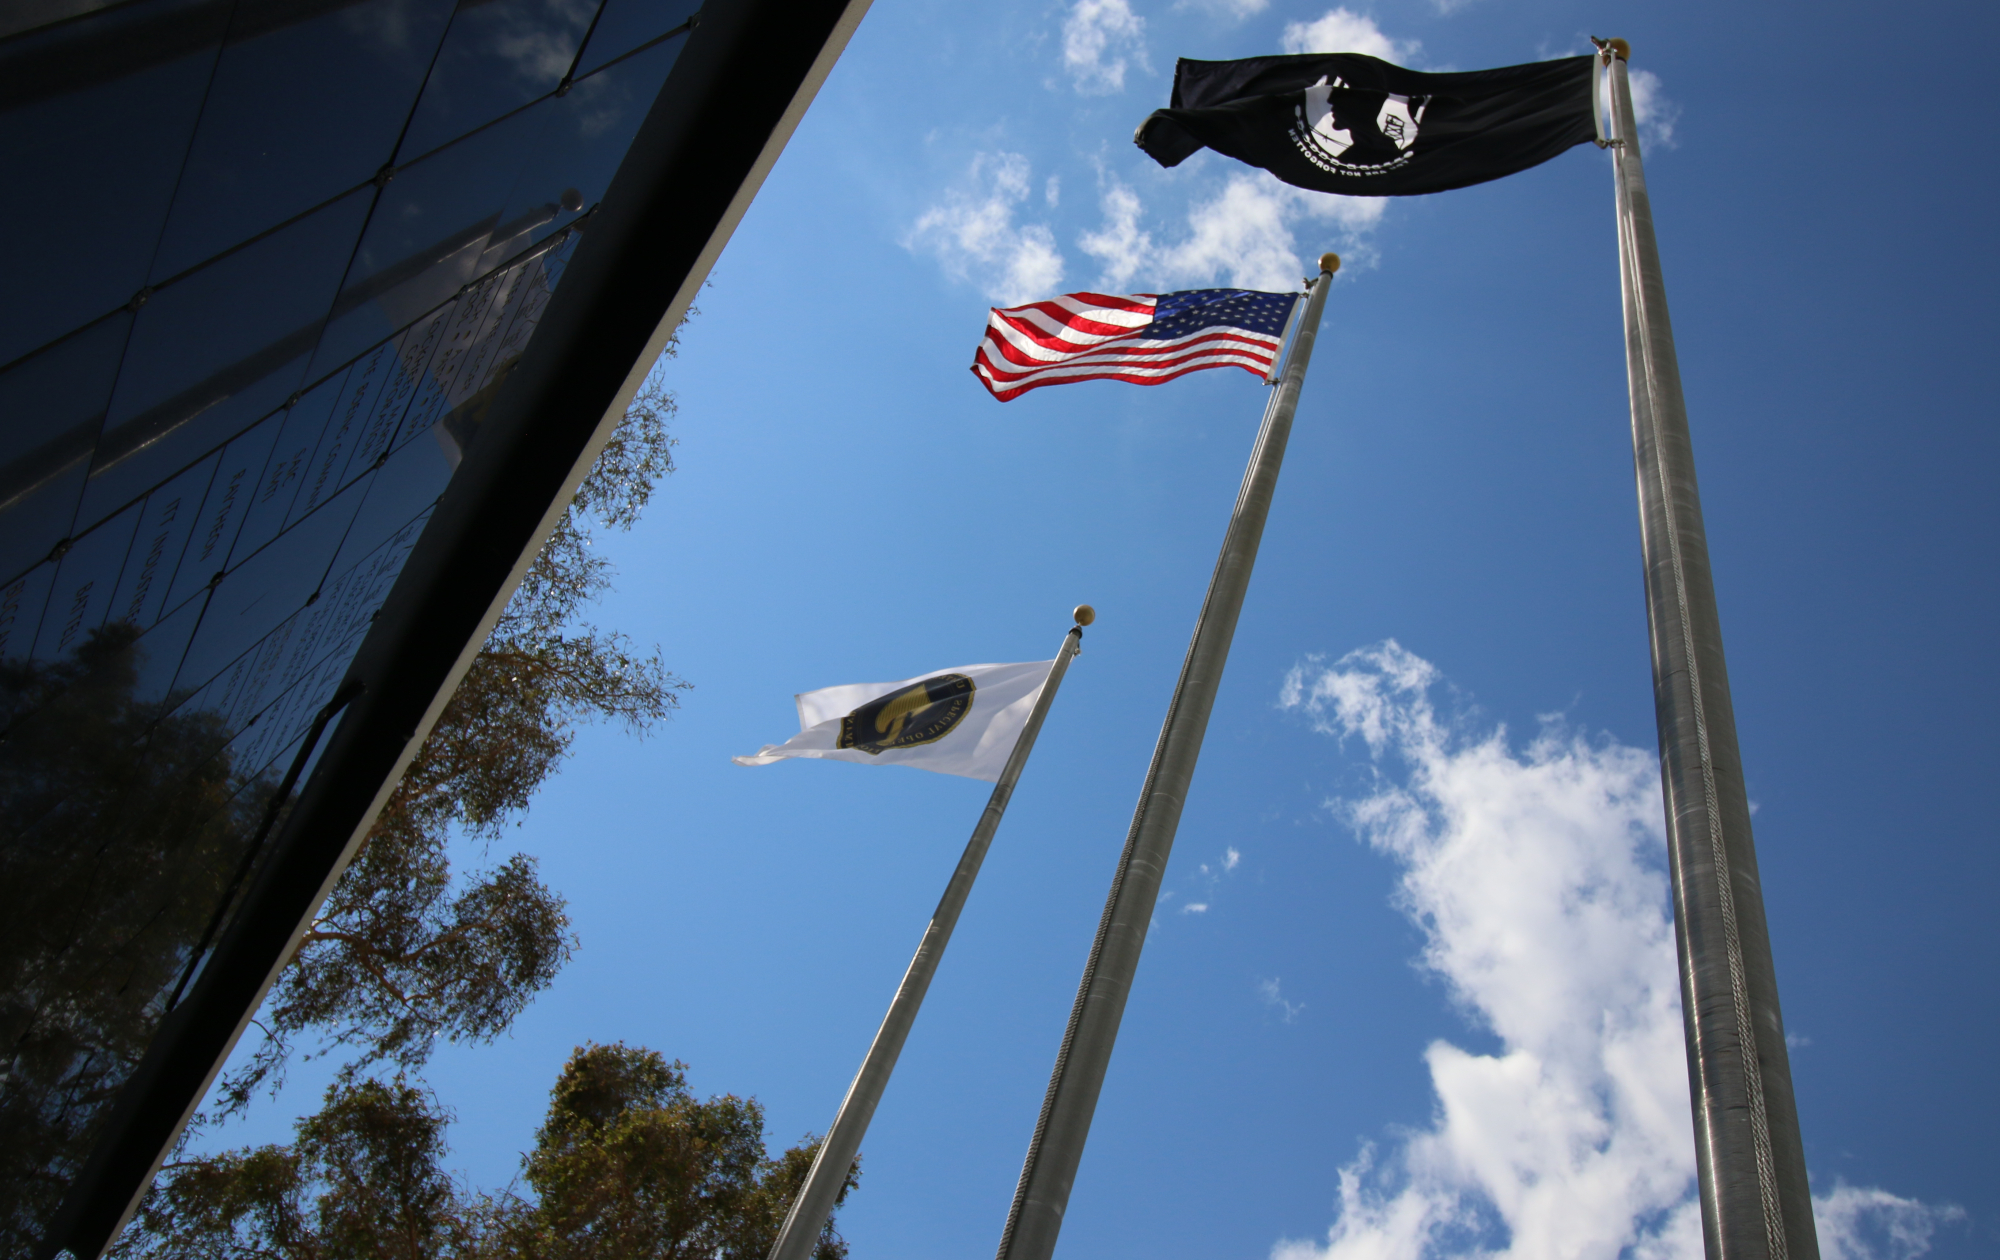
<point x="1084" y="614"/>
<point x="1619" y="49"/>
<point x="1329" y="263"/>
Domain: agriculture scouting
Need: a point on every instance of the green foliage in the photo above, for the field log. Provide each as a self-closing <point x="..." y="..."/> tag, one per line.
<point x="628" y="1165"/>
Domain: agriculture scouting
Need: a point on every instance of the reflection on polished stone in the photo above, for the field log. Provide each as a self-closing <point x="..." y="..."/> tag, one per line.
<point x="298" y="251"/>
<point x="123" y="826"/>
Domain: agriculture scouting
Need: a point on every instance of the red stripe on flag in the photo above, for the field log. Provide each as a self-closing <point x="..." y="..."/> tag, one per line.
<point x="1092" y="337"/>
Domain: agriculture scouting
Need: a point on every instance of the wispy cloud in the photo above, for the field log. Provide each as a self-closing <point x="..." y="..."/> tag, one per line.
<point x="1242" y="235"/>
<point x="1121" y="245"/>
<point x="1534" y="874"/>
<point x="1210" y="878"/>
<point x="1243" y="230"/>
<point x="1868" y="1224"/>
<point x="1269" y="991"/>
<point x="973" y="235"/>
<point x="1654" y="111"/>
<point x="1343" y="30"/>
<point x="1099" y="39"/>
<point x="1655" y="114"/>
<point x="1233" y="10"/>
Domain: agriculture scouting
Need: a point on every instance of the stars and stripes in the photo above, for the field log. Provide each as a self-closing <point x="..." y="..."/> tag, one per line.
<point x="1145" y="339"/>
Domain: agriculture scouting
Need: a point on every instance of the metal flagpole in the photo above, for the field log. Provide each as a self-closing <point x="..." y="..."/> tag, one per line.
<point x="815" y="1201"/>
<point x="1750" y="1163"/>
<point x="1057" y="1147"/>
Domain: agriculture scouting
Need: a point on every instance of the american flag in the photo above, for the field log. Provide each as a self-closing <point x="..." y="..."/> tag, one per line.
<point x="1145" y="338"/>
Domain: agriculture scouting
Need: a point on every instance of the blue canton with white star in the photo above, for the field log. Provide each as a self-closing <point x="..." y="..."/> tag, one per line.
<point x="1193" y="310"/>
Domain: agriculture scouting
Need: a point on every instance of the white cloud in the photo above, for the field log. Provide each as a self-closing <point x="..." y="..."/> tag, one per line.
<point x="1869" y="1224"/>
<point x="1212" y="878"/>
<point x="1242" y="236"/>
<point x="1651" y="108"/>
<point x="1121" y="245"/>
<point x="973" y="235"/>
<point x="1656" y="114"/>
<point x="1233" y="10"/>
<point x="1535" y="876"/>
<point x="1053" y="192"/>
<point x="1343" y="30"/>
<point x="1268" y="990"/>
<point x="1098" y="38"/>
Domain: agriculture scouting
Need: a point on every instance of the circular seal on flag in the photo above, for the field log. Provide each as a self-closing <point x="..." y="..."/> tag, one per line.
<point x="921" y="713"/>
<point x="1349" y="132"/>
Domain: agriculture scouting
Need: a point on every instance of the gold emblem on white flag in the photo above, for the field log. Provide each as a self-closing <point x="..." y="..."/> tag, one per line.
<point x="921" y="713"/>
<point x="953" y="721"/>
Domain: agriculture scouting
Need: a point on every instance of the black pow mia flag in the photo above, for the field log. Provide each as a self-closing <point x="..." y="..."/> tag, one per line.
<point x="1350" y="123"/>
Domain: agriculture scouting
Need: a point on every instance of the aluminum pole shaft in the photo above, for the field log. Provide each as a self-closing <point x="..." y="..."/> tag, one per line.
<point x="1750" y="1162"/>
<point x="1057" y="1147"/>
<point x="814" y="1204"/>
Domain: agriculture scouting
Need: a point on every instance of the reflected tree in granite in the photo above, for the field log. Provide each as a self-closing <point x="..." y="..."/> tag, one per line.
<point x="408" y="953"/>
<point x="121" y="825"/>
<point x="124" y="828"/>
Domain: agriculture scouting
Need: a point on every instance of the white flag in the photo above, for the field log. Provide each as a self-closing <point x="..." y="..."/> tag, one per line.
<point x="955" y="721"/>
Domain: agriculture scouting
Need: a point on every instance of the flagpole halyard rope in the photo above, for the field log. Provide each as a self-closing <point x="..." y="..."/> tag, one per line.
<point x="1626" y="161"/>
<point x="1746" y="1031"/>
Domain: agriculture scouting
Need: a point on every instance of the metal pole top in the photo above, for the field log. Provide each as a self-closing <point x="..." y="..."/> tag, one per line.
<point x="1084" y="614"/>
<point x="1329" y="263"/>
<point x="1619" y="49"/>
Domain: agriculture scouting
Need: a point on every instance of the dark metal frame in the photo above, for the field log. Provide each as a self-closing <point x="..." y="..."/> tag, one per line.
<point x="725" y="112"/>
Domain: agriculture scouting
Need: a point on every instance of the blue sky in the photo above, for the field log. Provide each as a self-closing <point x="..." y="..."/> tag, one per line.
<point x="1411" y="984"/>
